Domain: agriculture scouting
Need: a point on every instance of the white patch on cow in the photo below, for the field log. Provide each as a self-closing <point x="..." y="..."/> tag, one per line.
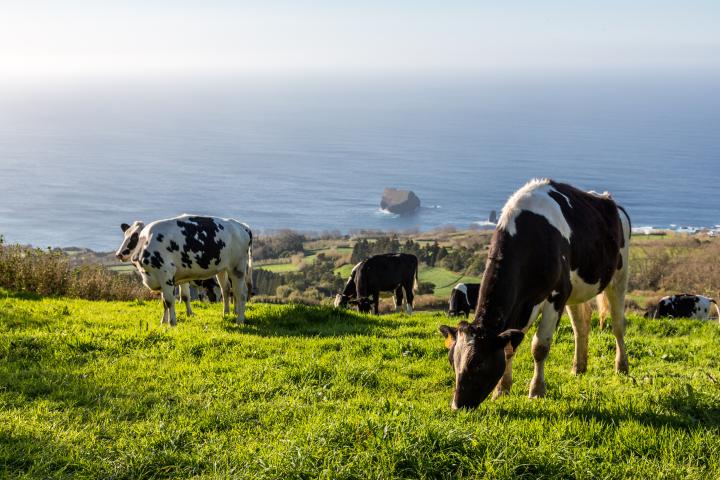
<point x="702" y="308"/>
<point x="461" y="287"/>
<point x="581" y="292"/>
<point x="464" y="347"/>
<point x="534" y="197"/>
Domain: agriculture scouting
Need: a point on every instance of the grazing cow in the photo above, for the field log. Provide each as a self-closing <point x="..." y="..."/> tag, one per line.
<point x="463" y="298"/>
<point x="389" y="272"/>
<point x="190" y="247"/>
<point x="207" y="290"/>
<point x="554" y="246"/>
<point x="685" y="305"/>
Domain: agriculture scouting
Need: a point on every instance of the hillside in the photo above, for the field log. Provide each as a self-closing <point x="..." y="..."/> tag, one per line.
<point x="100" y="390"/>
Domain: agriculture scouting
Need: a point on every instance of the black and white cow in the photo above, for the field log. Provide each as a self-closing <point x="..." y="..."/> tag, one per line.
<point x="554" y="246"/>
<point x="208" y="289"/>
<point x="389" y="272"/>
<point x="190" y="247"/>
<point x="463" y="298"/>
<point x="685" y="305"/>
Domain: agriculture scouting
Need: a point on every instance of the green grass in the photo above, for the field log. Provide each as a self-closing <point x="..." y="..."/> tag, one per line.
<point x="443" y="279"/>
<point x="100" y="390"/>
<point x="279" y="267"/>
<point x="345" y="270"/>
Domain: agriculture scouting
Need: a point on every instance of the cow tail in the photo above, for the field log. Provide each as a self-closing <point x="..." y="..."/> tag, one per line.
<point x="415" y="283"/>
<point x="717" y="309"/>
<point x="250" y="265"/>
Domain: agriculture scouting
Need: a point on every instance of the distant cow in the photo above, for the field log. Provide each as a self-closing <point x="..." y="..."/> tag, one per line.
<point x="554" y="245"/>
<point x="685" y="305"/>
<point x="463" y="298"/>
<point x="207" y="290"/>
<point x="390" y="272"/>
<point x="190" y="247"/>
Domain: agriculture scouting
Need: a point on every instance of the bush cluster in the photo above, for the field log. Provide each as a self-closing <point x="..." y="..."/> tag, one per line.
<point x="50" y="273"/>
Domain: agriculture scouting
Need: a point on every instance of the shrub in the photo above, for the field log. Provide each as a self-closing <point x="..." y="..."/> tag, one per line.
<point x="49" y="273"/>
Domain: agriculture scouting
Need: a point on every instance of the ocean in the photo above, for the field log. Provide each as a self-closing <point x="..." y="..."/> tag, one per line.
<point x="315" y="153"/>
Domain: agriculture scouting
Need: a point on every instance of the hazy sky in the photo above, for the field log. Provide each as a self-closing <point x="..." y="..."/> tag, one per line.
<point x="50" y="38"/>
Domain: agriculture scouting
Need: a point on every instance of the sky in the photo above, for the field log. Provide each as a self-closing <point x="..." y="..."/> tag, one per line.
<point x="44" y="39"/>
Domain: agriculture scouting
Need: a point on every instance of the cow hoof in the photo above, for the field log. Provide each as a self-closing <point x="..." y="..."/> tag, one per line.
<point x="500" y="393"/>
<point x="578" y="370"/>
<point x="537" y="391"/>
<point x="622" y="367"/>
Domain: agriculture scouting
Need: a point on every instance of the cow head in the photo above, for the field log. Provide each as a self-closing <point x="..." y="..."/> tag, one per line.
<point x="341" y="300"/>
<point x="130" y="240"/>
<point x="478" y="359"/>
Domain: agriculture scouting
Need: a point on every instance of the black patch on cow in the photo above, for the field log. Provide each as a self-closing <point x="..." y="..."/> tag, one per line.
<point x="185" y="260"/>
<point x="200" y="235"/>
<point x="146" y="257"/>
<point x="157" y="260"/>
<point x="133" y="242"/>
<point x="160" y="237"/>
<point x="173" y="246"/>
<point x="170" y="283"/>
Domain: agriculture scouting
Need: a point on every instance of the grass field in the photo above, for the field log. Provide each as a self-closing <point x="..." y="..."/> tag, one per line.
<point x="100" y="390"/>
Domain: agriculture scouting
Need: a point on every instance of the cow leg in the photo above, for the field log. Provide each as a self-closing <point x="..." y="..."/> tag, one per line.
<point x="398" y="299"/>
<point x="616" y="298"/>
<point x="166" y="314"/>
<point x="222" y="279"/>
<point x="168" y="298"/>
<point x="185" y="297"/>
<point x="541" y="347"/>
<point x="505" y="383"/>
<point x="410" y="296"/>
<point x="376" y="302"/>
<point x="580" y="320"/>
<point x="240" y="291"/>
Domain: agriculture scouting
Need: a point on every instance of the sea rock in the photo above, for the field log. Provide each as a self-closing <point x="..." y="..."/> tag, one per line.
<point x="493" y="217"/>
<point x="399" y="201"/>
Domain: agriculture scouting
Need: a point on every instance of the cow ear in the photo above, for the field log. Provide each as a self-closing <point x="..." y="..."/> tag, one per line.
<point x="124" y="227"/>
<point x="450" y="333"/>
<point x="514" y="337"/>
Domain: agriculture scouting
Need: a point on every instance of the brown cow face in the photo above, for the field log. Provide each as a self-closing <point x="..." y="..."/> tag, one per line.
<point x="478" y="360"/>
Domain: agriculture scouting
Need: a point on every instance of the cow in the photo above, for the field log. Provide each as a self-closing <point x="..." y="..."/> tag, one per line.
<point x="685" y="305"/>
<point x="463" y="298"/>
<point x="555" y="245"/>
<point x="389" y="272"/>
<point x="191" y="247"/>
<point x="207" y="290"/>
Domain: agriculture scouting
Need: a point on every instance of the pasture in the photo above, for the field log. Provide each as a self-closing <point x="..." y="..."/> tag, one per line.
<point x="93" y="389"/>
